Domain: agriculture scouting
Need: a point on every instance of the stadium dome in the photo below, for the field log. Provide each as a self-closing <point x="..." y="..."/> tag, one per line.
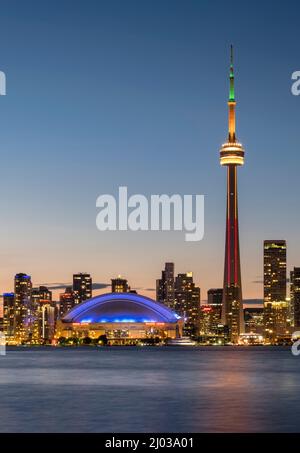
<point x="120" y="308"/>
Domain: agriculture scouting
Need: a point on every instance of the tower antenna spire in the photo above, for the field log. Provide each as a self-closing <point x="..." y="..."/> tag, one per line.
<point x="231" y="77"/>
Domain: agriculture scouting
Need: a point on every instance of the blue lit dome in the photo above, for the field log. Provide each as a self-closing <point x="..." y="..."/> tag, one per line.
<point x="120" y="307"/>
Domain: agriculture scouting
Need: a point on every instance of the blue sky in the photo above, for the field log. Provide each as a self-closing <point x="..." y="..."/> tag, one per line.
<point x="108" y="93"/>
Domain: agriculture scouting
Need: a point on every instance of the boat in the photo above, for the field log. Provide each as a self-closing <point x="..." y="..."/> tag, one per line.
<point x="181" y="341"/>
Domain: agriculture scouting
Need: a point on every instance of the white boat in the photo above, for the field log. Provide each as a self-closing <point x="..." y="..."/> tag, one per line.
<point x="181" y="341"/>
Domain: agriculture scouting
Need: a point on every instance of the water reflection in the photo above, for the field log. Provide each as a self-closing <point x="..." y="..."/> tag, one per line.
<point x="150" y="390"/>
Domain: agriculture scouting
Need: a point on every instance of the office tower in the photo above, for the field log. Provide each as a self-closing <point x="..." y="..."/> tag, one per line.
<point x="206" y="312"/>
<point x="66" y="301"/>
<point x="82" y="287"/>
<point x="232" y="156"/>
<point x="41" y="293"/>
<point x="275" y="304"/>
<point x="214" y="301"/>
<point x="8" y="315"/>
<point x="215" y="297"/>
<point x="48" y="317"/>
<point x="295" y="297"/>
<point x="45" y="315"/>
<point x="23" y="308"/>
<point x="165" y="292"/>
<point x="254" y="320"/>
<point x="119" y="285"/>
<point x="187" y="303"/>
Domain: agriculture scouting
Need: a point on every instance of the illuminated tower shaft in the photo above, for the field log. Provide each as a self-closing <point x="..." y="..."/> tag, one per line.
<point x="232" y="155"/>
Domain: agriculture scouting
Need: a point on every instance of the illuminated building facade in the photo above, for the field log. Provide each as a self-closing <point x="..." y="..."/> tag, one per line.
<point x="254" y="320"/>
<point x="45" y="315"/>
<point x="275" y="303"/>
<point x="232" y="156"/>
<point x="23" y="308"/>
<point x="211" y="330"/>
<point x="214" y="301"/>
<point x="124" y="318"/>
<point x="82" y="287"/>
<point x="295" y="297"/>
<point x="8" y="315"/>
<point x="251" y="339"/>
<point x="187" y="303"/>
<point x="165" y="286"/>
<point x="119" y="285"/>
<point x="66" y="301"/>
<point x="206" y="313"/>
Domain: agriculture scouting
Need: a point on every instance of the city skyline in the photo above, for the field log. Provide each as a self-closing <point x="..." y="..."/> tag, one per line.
<point x="166" y="112"/>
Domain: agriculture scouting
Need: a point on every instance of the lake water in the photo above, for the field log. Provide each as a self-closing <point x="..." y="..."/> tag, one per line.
<point x="212" y="389"/>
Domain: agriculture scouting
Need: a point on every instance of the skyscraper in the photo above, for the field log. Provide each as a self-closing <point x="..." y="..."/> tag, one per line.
<point x="275" y="304"/>
<point x="231" y="156"/>
<point x="119" y="285"/>
<point x="214" y="301"/>
<point x="45" y="314"/>
<point x="254" y="320"/>
<point x="165" y="292"/>
<point x="8" y="314"/>
<point x="82" y="287"/>
<point x="66" y="301"/>
<point x="187" y="303"/>
<point x="295" y="296"/>
<point x="23" y="308"/>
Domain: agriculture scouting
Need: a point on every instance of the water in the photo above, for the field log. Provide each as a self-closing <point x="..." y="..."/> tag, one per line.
<point x="208" y="389"/>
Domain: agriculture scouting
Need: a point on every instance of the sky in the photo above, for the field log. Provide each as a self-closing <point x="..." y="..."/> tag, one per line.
<point x="102" y="94"/>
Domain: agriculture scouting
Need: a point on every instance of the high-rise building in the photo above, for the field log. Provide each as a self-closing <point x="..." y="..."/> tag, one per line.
<point x="82" y="287"/>
<point x="275" y="304"/>
<point x="214" y="301"/>
<point x="8" y="315"/>
<point x="215" y="297"/>
<point x="254" y="320"/>
<point x="295" y="297"/>
<point x="165" y="291"/>
<point x="45" y="314"/>
<point x="41" y="293"/>
<point x="231" y="156"/>
<point x="66" y="301"/>
<point x="23" y="308"/>
<point x="187" y="303"/>
<point x="119" y="285"/>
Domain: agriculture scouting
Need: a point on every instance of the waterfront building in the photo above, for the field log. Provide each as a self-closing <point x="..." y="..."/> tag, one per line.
<point x="275" y="303"/>
<point x="246" y="339"/>
<point x="214" y="301"/>
<point x="66" y="301"/>
<point x="206" y="312"/>
<point x="187" y="303"/>
<point x="295" y="297"/>
<point x="119" y="285"/>
<point x="23" y="308"/>
<point x="165" y="286"/>
<point x="124" y="318"/>
<point x="8" y="315"/>
<point x="254" y="320"/>
<point x="45" y="315"/>
<point x="82" y="287"/>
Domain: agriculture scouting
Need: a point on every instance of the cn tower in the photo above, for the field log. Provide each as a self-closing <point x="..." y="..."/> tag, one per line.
<point x="231" y="156"/>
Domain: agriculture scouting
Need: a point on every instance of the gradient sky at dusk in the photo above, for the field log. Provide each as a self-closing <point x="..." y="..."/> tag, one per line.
<point x="108" y="93"/>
